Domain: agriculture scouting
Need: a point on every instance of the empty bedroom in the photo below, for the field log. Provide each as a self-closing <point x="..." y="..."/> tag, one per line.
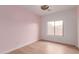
<point x="39" y="29"/>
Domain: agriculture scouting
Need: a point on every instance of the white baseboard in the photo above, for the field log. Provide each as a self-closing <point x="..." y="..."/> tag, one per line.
<point x="5" y="52"/>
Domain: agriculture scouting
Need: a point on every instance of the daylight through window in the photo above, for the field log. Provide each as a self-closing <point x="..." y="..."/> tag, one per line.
<point x="55" y="28"/>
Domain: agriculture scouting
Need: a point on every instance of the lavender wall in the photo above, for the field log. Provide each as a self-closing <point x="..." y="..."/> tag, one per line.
<point x="18" y="27"/>
<point x="70" y="26"/>
<point x="78" y="25"/>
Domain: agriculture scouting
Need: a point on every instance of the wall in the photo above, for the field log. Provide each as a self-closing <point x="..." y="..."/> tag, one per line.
<point x="18" y="27"/>
<point x="78" y="25"/>
<point x="70" y="26"/>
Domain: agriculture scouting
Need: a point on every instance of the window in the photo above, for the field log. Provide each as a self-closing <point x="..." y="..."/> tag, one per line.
<point x="51" y="28"/>
<point x="58" y="28"/>
<point x="55" y="28"/>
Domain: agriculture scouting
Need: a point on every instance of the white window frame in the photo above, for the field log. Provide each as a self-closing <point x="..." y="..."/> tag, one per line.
<point x="55" y="28"/>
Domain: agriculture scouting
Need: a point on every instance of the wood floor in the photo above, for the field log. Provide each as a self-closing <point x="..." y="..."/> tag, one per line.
<point x="44" y="47"/>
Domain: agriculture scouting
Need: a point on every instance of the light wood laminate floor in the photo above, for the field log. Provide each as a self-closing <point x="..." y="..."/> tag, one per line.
<point x="44" y="47"/>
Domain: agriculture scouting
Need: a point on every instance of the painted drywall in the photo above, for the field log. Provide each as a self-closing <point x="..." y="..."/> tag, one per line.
<point x="70" y="26"/>
<point x="18" y="27"/>
<point x="78" y="26"/>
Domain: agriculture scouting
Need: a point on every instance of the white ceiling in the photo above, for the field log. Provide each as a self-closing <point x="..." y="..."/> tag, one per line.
<point x="53" y="8"/>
